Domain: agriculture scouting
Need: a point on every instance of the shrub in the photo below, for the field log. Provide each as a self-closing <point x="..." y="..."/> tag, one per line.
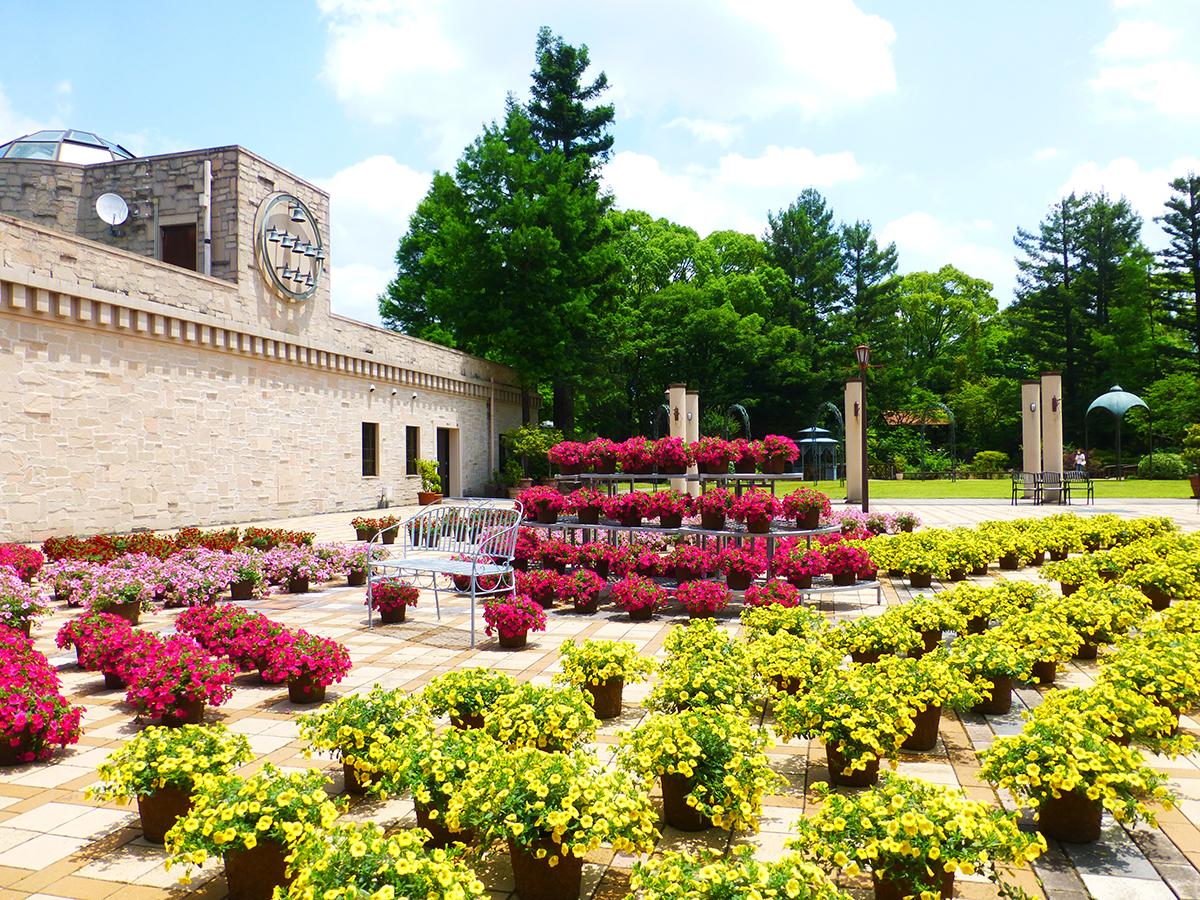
<point x="1166" y="466"/>
<point x="988" y="463"/>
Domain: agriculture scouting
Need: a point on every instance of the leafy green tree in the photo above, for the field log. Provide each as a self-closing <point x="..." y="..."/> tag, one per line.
<point x="869" y="283"/>
<point x="1181" y="257"/>
<point x="804" y="243"/>
<point x="559" y="111"/>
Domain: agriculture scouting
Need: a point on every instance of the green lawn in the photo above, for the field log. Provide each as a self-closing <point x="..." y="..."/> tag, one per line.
<point x="972" y="489"/>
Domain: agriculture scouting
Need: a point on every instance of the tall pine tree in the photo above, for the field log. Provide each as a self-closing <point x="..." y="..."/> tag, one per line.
<point x="1181" y="258"/>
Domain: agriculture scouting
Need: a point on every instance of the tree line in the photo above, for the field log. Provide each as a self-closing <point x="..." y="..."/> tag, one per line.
<point x="519" y="255"/>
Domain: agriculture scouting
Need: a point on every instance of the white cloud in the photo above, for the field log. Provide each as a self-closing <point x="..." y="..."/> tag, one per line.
<point x="926" y="243"/>
<point x="1046" y="153"/>
<point x="447" y="67"/>
<point x="14" y="124"/>
<point x="734" y="194"/>
<point x="1146" y="189"/>
<point x="1141" y="71"/>
<point x="1133" y="39"/>
<point x="708" y="130"/>
<point x="370" y="205"/>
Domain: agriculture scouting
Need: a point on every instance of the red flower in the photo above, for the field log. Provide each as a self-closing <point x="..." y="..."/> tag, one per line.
<point x="703" y="596"/>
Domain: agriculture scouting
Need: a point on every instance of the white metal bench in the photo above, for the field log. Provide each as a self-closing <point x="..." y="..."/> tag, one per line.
<point x="473" y="539"/>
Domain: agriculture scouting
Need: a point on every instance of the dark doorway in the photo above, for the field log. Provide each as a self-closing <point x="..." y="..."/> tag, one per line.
<point x="177" y="245"/>
<point x="443" y="461"/>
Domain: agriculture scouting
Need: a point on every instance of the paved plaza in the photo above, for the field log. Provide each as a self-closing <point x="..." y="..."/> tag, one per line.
<point x="56" y="844"/>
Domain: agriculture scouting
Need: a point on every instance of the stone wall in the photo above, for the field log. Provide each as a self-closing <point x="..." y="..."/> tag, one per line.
<point x="45" y="193"/>
<point x="123" y="405"/>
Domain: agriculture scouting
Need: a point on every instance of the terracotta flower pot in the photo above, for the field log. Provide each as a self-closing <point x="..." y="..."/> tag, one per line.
<point x="744" y="465"/>
<point x="188" y="712"/>
<point x="606" y="697"/>
<point x="999" y="700"/>
<point x="604" y="466"/>
<point x="114" y="682"/>
<point x="865" y="657"/>
<point x="633" y="520"/>
<point x="930" y="640"/>
<point x="701" y="614"/>
<point x="838" y="774"/>
<point x="15" y="756"/>
<point x="1038" y="558"/>
<point x="774" y="466"/>
<point x="388" y="537"/>
<point x="1010" y="562"/>
<point x="254" y="874"/>
<point x="803" y="582"/>
<point x="241" y="590"/>
<point x="712" y="521"/>
<point x="980" y="571"/>
<point x="303" y="689"/>
<point x="470" y="720"/>
<point x="536" y="880"/>
<point x="354" y="784"/>
<point x="671" y="520"/>
<point x="297" y="586"/>
<point x="546" y="516"/>
<point x="676" y="812"/>
<point x="393" y="615"/>
<point x="977" y="624"/>
<point x="1073" y="818"/>
<point x="1058" y="555"/>
<point x="356" y="577"/>
<point x="809" y="520"/>
<point x="1159" y="599"/>
<point x="887" y="888"/>
<point x="160" y="810"/>
<point x="1087" y="650"/>
<point x="440" y="836"/>
<point x="920" y="580"/>
<point x="427" y="498"/>
<point x="570" y="469"/>
<point x="925" y="730"/>
<point x="788" y="685"/>
<point x="514" y="641"/>
<point x="1067" y="589"/>
<point x="956" y="575"/>
<point x="672" y="470"/>
<point x="738" y="581"/>
<point x="1045" y="672"/>
<point x="364" y="534"/>
<point x="844" y="579"/>
<point x="589" y="516"/>
<point x="643" y="614"/>
<point x="758" y="526"/>
<point x="130" y="612"/>
<point x="714" y="468"/>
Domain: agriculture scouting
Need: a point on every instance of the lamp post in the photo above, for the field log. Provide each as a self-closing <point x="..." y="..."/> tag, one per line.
<point x="863" y="354"/>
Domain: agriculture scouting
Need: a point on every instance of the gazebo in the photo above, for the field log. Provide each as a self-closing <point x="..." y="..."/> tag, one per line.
<point x="815" y="443"/>
<point x="1117" y="401"/>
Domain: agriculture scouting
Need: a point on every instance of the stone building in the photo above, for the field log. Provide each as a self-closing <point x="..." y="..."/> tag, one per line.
<point x="168" y="354"/>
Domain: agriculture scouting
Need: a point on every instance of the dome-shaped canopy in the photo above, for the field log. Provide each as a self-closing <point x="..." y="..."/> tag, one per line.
<point x="70" y="146"/>
<point x="1118" y="402"/>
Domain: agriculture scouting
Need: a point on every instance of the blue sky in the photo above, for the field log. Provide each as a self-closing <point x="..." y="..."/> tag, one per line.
<point x="945" y="124"/>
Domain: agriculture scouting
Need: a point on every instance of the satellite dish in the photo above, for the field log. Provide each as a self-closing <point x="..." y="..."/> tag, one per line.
<point x="112" y="209"/>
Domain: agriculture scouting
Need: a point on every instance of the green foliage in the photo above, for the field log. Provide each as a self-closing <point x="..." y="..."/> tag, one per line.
<point x="431" y="481"/>
<point x="1191" y="447"/>
<point x="989" y="462"/>
<point x="531" y="444"/>
<point x="1162" y="465"/>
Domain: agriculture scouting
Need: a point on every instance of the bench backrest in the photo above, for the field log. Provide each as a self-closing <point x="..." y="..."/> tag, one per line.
<point x="468" y="527"/>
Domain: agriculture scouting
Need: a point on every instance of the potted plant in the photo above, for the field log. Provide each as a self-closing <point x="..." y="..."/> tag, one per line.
<point x="1069" y="773"/>
<point x="158" y="767"/>
<point x="855" y="712"/>
<point x="581" y="806"/>
<point x="120" y="654"/>
<point x="602" y="455"/>
<point x="1119" y="712"/>
<point x="431" y="482"/>
<point x="175" y="678"/>
<point x="669" y="507"/>
<point x="555" y="719"/>
<point x="628" y="509"/>
<point x="740" y="566"/>
<point x="1000" y="661"/>
<point x="526" y="549"/>
<point x="639" y="596"/>
<point x="772" y="592"/>
<point x="512" y="617"/>
<point x="704" y="669"/>
<point x="254" y="839"/>
<point x="466" y="694"/>
<point x="1162" y="581"/>
<point x="1047" y="630"/>
<point x="672" y="456"/>
<point x="785" y="663"/>
<point x="713" y="875"/>
<point x="800" y="564"/>
<point x="385" y="527"/>
<point x="772" y="618"/>
<point x="392" y="598"/>
<point x="581" y="589"/>
<point x="20" y="603"/>
<point x="603" y="668"/>
<point x="929" y="617"/>
<point x="703" y="599"/>
<point x="87" y="633"/>
<point x="124" y="592"/>
<point x="1191" y="455"/>
<point x="597" y="556"/>
<point x="34" y="716"/>
<point x="308" y="663"/>
<point x="22" y="561"/>
<point x="774" y="452"/>
<point x="711" y="765"/>
<point x="364" y="527"/>
<point x="542" y="503"/>
<point x="556" y="554"/>
<point x="297" y="568"/>
<point x="1103" y="613"/>
<point x="587" y="504"/>
<point x="929" y="684"/>
<point x="755" y="509"/>
<point x="355" y="563"/>
<point x="713" y="506"/>
<point x="360" y="859"/>
<point x="691" y="561"/>
<point x="845" y="561"/>
<point x="541" y="586"/>
<point x="807" y="506"/>
<point x="248" y="580"/>
<point x="866" y="638"/>
<point x="571" y="457"/>
<point x="1163" y="665"/>
<point x="356" y="730"/>
<point x="943" y="833"/>
<point x="636" y="456"/>
<point x="742" y="452"/>
<point x="713" y="455"/>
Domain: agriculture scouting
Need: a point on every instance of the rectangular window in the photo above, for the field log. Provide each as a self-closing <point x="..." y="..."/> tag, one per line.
<point x="412" y="448"/>
<point x="177" y="245"/>
<point x="370" y="449"/>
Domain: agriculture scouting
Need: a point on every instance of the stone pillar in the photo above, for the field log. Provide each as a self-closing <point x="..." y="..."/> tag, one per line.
<point x="677" y="422"/>
<point x="692" y="434"/>
<point x="853" y="448"/>
<point x="1031" y="431"/>
<point x="1052" y="427"/>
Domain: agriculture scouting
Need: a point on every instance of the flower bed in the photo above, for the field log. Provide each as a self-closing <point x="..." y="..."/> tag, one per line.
<point x="34" y="716"/>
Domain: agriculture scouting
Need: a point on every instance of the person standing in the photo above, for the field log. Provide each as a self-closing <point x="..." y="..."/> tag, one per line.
<point x="1080" y="460"/>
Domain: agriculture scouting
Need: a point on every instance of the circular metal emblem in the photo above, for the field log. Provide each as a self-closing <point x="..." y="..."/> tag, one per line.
<point x="290" y="252"/>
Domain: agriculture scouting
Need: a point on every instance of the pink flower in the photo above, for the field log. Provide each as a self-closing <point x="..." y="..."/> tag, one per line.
<point x="801" y="501"/>
<point x="298" y="654"/>
<point x="671" y="453"/>
<point x="513" y="615"/>
<point x="703" y="596"/>
<point x="772" y="593"/>
<point x="541" y="585"/>
<point x="754" y="506"/>
<point x="775" y="446"/>
<point x="581" y="588"/>
<point x="568" y="453"/>
<point x="539" y="499"/>
<point x="167" y="674"/>
<point x="636" y="593"/>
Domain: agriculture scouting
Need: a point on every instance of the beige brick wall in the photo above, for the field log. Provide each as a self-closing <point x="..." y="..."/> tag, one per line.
<point x="155" y="405"/>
